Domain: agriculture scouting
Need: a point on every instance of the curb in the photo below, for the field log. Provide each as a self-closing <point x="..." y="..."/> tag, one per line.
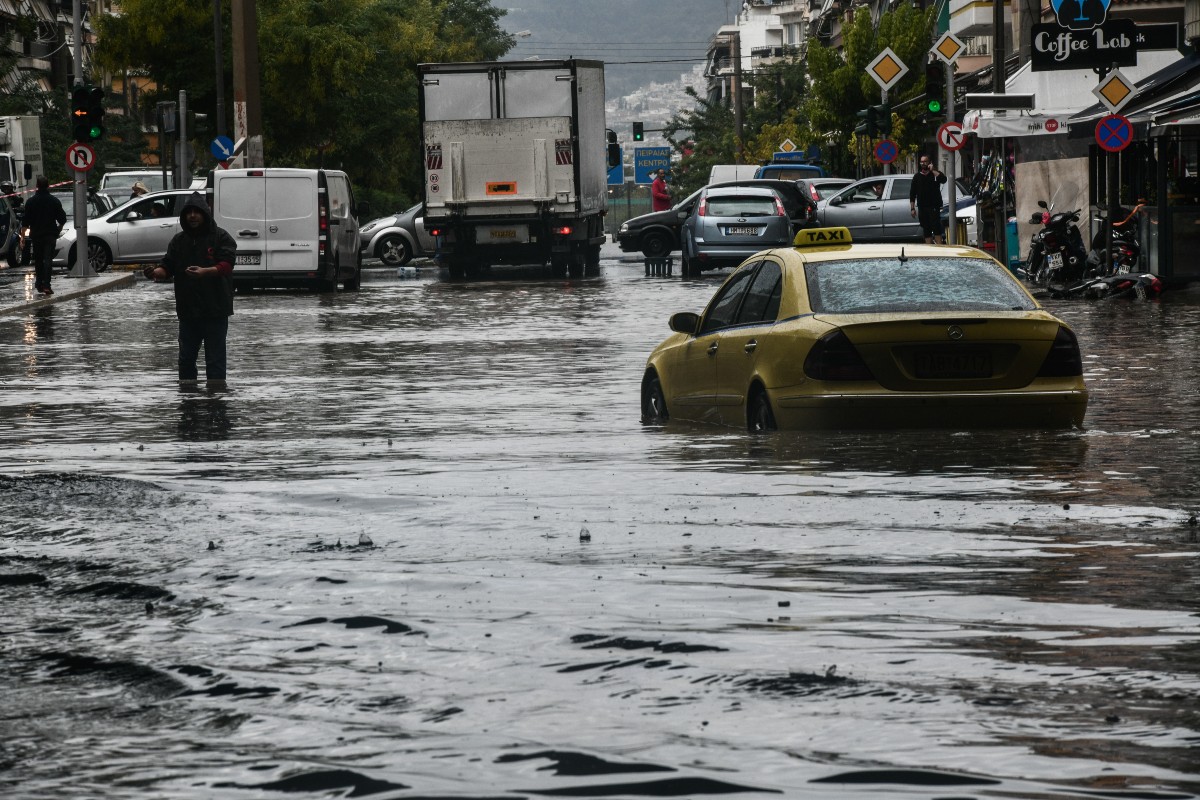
<point x="96" y="285"/>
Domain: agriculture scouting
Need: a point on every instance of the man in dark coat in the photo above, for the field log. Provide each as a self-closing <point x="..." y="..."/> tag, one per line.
<point x="45" y="218"/>
<point x="925" y="200"/>
<point x="200" y="259"/>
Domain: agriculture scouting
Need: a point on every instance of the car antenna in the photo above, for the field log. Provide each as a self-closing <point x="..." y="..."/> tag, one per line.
<point x="903" y="258"/>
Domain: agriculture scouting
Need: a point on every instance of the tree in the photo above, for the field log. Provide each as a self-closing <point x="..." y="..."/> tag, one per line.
<point x="703" y="136"/>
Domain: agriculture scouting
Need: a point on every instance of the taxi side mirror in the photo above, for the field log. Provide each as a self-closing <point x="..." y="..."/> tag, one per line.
<point x="685" y="322"/>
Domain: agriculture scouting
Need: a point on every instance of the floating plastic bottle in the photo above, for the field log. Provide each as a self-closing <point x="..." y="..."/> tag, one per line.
<point x="406" y="272"/>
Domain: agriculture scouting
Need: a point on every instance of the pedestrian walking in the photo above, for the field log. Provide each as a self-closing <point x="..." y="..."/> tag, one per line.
<point x="45" y="218"/>
<point x="925" y="200"/>
<point x="660" y="193"/>
<point x="199" y="260"/>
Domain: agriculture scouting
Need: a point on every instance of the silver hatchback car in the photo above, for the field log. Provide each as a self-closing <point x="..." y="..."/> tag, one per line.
<point x="729" y="224"/>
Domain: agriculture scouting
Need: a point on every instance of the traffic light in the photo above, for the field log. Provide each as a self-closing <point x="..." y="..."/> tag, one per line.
<point x="639" y="132"/>
<point x="869" y="126"/>
<point x="883" y="119"/>
<point x="935" y="86"/>
<point x="95" y="115"/>
<point x="80" y="100"/>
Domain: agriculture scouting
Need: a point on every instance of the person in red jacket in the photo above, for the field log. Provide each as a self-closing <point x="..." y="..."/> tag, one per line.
<point x="660" y="195"/>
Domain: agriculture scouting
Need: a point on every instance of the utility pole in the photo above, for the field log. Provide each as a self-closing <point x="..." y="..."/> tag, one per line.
<point x="737" y="96"/>
<point x="218" y="47"/>
<point x="952" y="236"/>
<point x="998" y="88"/>
<point x="82" y="268"/>
<point x="247" y="106"/>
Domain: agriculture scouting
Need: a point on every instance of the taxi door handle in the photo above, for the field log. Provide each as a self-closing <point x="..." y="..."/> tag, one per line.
<point x="750" y="346"/>
<point x="712" y="349"/>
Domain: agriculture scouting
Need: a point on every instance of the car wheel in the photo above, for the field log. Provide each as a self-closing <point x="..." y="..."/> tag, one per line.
<point x="394" y="250"/>
<point x="654" y="402"/>
<point x="759" y="416"/>
<point x="655" y="245"/>
<point x="98" y="254"/>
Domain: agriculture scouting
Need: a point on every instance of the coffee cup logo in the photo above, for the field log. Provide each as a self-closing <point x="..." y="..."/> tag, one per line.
<point x="1081" y="15"/>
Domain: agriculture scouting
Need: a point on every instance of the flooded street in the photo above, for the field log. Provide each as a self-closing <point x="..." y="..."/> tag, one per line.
<point x="423" y="547"/>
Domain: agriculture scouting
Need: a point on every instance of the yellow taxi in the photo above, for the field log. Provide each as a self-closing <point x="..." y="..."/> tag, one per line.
<point x="832" y="334"/>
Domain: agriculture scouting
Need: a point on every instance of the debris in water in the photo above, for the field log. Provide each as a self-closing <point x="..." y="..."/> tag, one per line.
<point x="365" y="541"/>
<point x="584" y="534"/>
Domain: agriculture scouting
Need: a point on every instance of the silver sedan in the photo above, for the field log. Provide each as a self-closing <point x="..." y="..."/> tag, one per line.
<point x="135" y="233"/>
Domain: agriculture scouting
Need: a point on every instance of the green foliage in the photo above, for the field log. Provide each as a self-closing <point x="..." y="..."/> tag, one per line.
<point x="840" y="85"/>
<point x="337" y="80"/>
<point x="704" y="136"/>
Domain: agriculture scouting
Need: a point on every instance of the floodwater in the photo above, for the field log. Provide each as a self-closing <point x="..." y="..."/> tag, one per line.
<point x="422" y="547"/>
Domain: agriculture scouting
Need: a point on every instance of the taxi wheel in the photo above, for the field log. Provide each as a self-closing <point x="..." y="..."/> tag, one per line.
<point x="759" y="416"/>
<point x="654" y="402"/>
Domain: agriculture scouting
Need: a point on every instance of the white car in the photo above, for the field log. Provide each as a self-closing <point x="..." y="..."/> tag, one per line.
<point x="135" y="233"/>
<point x="397" y="239"/>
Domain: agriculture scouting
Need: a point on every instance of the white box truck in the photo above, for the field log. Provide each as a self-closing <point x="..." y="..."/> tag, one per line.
<point x="516" y="163"/>
<point x="21" y="151"/>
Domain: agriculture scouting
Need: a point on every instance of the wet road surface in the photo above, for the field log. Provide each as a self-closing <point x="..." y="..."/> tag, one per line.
<point x="422" y="547"/>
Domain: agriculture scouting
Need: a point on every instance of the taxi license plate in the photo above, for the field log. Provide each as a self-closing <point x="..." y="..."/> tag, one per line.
<point x="741" y="230"/>
<point x="1054" y="260"/>
<point x="504" y="234"/>
<point x="247" y="259"/>
<point x="944" y="364"/>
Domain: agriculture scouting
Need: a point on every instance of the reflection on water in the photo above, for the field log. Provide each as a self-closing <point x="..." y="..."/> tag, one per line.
<point x="190" y="607"/>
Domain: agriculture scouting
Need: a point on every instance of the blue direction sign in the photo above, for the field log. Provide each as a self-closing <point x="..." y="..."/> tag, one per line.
<point x="886" y="151"/>
<point x="1114" y="133"/>
<point x="222" y="148"/>
<point x="648" y="160"/>
<point x="616" y="175"/>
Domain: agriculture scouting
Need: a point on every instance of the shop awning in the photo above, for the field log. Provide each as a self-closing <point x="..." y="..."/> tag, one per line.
<point x="1170" y="92"/>
<point x="1059" y="94"/>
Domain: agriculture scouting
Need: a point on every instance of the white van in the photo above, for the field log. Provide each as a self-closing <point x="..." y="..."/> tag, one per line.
<point x="725" y="173"/>
<point x="291" y="225"/>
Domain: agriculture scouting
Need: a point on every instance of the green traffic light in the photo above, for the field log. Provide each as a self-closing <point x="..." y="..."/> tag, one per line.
<point x="95" y="132"/>
<point x="934" y="106"/>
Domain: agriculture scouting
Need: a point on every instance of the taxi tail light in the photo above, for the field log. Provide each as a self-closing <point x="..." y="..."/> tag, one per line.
<point x="702" y="211"/>
<point x="1063" y="360"/>
<point x="834" y="358"/>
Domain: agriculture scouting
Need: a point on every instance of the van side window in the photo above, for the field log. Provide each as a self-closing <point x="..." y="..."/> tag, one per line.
<point x="339" y="197"/>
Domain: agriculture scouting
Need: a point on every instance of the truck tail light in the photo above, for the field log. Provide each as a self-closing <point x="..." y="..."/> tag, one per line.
<point x="562" y="230"/>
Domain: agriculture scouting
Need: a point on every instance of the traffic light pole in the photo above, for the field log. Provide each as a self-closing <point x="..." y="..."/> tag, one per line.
<point x="952" y="234"/>
<point x="82" y="266"/>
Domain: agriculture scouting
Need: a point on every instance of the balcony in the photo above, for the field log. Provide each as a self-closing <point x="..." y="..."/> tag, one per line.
<point x="974" y="17"/>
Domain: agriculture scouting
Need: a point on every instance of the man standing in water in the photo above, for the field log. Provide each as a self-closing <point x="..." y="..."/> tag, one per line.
<point x="200" y="261"/>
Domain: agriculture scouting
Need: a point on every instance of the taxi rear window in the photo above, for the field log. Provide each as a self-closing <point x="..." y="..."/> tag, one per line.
<point x="881" y="285"/>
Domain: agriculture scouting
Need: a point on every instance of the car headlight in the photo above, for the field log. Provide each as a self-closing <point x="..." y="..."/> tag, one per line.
<point x="370" y="226"/>
<point x="624" y="227"/>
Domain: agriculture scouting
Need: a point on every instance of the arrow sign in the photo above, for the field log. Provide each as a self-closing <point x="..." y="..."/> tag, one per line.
<point x="951" y="137"/>
<point x="886" y="151"/>
<point x="221" y="148"/>
<point x="1114" y="133"/>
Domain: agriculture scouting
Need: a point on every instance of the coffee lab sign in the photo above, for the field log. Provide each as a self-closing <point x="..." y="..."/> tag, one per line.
<point x="1056" y="47"/>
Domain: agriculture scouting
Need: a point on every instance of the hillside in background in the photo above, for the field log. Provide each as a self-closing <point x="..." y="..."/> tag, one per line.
<point x="672" y="35"/>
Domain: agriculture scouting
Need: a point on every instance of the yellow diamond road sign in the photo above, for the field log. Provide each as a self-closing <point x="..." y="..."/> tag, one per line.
<point x="787" y="146"/>
<point x="887" y="69"/>
<point x="1115" y="91"/>
<point x="949" y="47"/>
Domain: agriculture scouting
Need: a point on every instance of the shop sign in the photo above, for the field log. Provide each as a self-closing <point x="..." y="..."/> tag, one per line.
<point x="1056" y="47"/>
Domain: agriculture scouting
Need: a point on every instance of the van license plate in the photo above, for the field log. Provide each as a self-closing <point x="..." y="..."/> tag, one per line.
<point x="503" y="234"/>
<point x="741" y="230"/>
<point x="247" y="259"/>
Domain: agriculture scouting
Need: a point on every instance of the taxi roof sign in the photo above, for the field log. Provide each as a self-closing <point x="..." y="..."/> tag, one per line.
<point x="822" y="237"/>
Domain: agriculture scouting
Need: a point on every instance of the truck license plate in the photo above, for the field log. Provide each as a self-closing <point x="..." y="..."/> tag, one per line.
<point x="741" y="230"/>
<point x="503" y="234"/>
<point x="247" y="259"/>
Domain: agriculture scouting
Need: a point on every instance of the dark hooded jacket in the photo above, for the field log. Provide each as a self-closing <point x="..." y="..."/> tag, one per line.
<point x="204" y="296"/>
<point x="44" y="215"/>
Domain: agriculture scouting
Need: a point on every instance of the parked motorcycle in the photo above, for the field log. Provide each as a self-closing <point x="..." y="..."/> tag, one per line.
<point x="1127" y="249"/>
<point x="1056" y="254"/>
<point x="1140" y="285"/>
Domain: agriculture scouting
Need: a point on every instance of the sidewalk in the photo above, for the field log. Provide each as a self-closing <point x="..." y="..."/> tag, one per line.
<point x="17" y="295"/>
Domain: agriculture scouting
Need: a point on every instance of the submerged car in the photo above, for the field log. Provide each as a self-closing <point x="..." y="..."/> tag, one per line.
<point x="397" y="239"/>
<point x="137" y="232"/>
<point x="831" y="334"/>
<point x="729" y="223"/>
<point x="657" y="234"/>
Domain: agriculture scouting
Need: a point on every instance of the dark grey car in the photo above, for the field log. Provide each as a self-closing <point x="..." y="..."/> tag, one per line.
<point x="730" y="224"/>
